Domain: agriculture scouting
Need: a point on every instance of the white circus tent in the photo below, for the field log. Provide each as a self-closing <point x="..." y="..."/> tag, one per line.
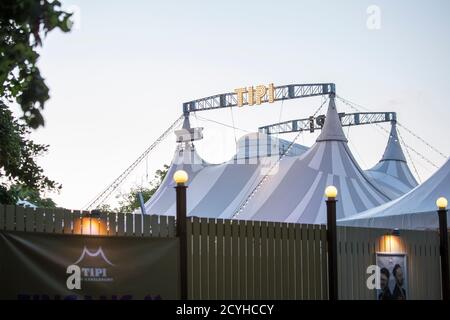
<point x="414" y="210"/>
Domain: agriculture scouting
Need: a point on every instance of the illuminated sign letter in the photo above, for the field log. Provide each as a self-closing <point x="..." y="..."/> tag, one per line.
<point x="251" y="96"/>
<point x="260" y="93"/>
<point x="240" y="96"/>
<point x="271" y="93"/>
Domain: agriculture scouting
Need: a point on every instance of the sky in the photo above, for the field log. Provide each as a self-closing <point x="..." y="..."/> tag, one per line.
<point x="119" y="79"/>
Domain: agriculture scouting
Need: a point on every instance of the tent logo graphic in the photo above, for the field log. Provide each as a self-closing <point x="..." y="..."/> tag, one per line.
<point x="94" y="266"/>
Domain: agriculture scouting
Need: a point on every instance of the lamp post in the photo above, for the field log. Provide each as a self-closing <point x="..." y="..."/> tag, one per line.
<point x="443" y="234"/>
<point x="181" y="177"/>
<point x="331" y="193"/>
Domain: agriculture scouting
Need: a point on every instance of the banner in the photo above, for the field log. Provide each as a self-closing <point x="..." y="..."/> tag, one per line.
<point x="45" y="266"/>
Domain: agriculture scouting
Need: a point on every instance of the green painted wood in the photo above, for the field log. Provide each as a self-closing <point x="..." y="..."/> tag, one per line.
<point x="250" y="265"/>
<point x="49" y="221"/>
<point x="235" y="258"/>
<point x="196" y="276"/>
<point x="20" y="218"/>
<point x="147" y="226"/>
<point x="163" y="226"/>
<point x="220" y="270"/>
<point x="212" y="259"/>
<point x="2" y="216"/>
<point x="155" y="226"/>
<point x="317" y="264"/>
<point x="58" y="217"/>
<point x="76" y="218"/>
<point x="298" y="262"/>
<point x="68" y="220"/>
<point x="171" y="226"/>
<point x="190" y="257"/>
<point x="271" y="261"/>
<point x="120" y="224"/>
<point x="227" y="260"/>
<point x="257" y="247"/>
<point x="10" y="217"/>
<point x="39" y="220"/>
<point x="242" y="259"/>
<point x="278" y="262"/>
<point x="129" y="228"/>
<point x="29" y="219"/>
<point x="292" y="266"/>
<point x="312" y="267"/>
<point x="305" y="263"/>
<point x="138" y="225"/>
<point x="264" y="282"/>
<point x="112" y="223"/>
<point x="284" y="262"/>
<point x="204" y="259"/>
<point x="324" y="261"/>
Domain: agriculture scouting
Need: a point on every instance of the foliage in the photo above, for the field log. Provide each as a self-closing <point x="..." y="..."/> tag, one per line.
<point x="130" y="201"/>
<point x="23" y="24"/>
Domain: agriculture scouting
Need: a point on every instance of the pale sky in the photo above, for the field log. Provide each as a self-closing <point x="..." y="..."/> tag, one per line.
<point x="118" y="80"/>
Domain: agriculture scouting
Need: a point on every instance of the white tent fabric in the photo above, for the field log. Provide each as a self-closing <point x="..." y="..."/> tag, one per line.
<point x="293" y="189"/>
<point x="295" y="193"/>
<point x="218" y="189"/>
<point x="392" y="173"/>
<point x="414" y="210"/>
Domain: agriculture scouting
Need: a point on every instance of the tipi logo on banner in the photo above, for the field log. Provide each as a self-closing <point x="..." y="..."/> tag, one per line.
<point x="91" y="266"/>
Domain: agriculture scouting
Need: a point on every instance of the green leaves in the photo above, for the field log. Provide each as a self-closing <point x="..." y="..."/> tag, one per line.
<point x="18" y="160"/>
<point x="23" y="24"/>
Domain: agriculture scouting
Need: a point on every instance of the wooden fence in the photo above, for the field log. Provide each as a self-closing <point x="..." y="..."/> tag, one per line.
<point x="63" y="221"/>
<point x="234" y="259"/>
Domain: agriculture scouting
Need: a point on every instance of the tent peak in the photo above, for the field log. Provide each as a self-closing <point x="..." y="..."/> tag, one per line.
<point x="332" y="128"/>
<point x="393" y="149"/>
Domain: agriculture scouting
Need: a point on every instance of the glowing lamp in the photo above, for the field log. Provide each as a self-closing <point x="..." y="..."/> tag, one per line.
<point x="331" y="192"/>
<point x="180" y="177"/>
<point x="442" y="203"/>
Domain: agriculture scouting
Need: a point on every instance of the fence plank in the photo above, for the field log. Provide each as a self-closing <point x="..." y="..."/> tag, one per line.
<point x="163" y="227"/>
<point x="58" y="220"/>
<point x="147" y="225"/>
<point x="129" y="224"/>
<point x="324" y="261"/>
<point x="171" y="226"/>
<point x="120" y="224"/>
<point x="317" y="264"/>
<point x="138" y="225"/>
<point x="10" y="217"/>
<point x="196" y="278"/>
<point x="29" y="219"/>
<point x="39" y="215"/>
<point x="278" y="269"/>
<point x="292" y="261"/>
<point x="155" y="226"/>
<point x="68" y="220"/>
<point x="235" y="258"/>
<point x="257" y="246"/>
<point x="212" y="259"/>
<point x="242" y="260"/>
<point x="271" y="261"/>
<point x="284" y="261"/>
<point x="204" y="259"/>
<point x="112" y="223"/>
<point x="2" y="216"/>
<point x="264" y="261"/>
<point x="49" y="222"/>
<point x="20" y="218"/>
<point x="305" y="264"/>
<point x="220" y="273"/>
<point x="227" y="260"/>
<point x="250" y="294"/>
<point x="190" y="257"/>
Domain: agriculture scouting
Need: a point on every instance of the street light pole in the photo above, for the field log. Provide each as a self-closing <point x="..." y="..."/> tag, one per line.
<point x="331" y="193"/>
<point x="181" y="177"/>
<point x="443" y="234"/>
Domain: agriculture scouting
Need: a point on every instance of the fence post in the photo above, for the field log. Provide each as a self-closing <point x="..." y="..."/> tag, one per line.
<point x="443" y="234"/>
<point x="180" y="177"/>
<point x="331" y="193"/>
